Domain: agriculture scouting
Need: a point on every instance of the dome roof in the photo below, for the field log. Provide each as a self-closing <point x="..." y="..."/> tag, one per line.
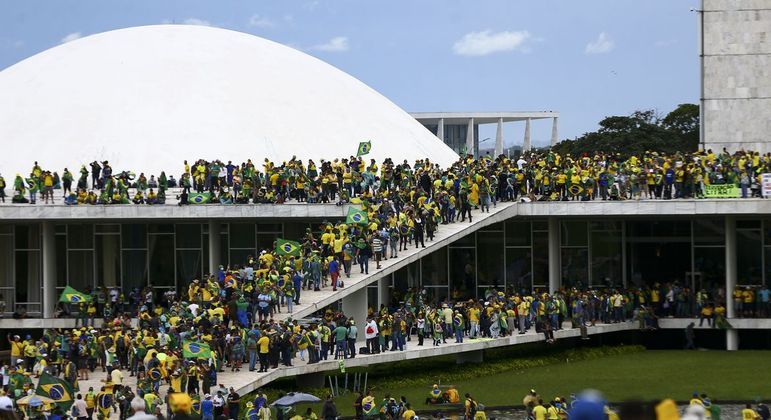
<point x="145" y="98"/>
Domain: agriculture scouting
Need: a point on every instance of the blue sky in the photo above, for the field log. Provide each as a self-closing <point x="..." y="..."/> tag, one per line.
<point x="585" y="59"/>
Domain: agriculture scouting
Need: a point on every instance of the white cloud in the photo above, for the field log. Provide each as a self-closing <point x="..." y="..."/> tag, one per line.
<point x="336" y="44"/>
<point x="71" y="37"/>
<point x="196" y="21"/>
<point x="311" y="5"/>
<point x="261" y="22"/>
<point x="489" y="42"/>
<point x="665" y="43"/>
<point x="602" y="45"/>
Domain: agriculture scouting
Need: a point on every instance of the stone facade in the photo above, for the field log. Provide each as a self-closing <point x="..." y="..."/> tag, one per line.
<point x="737" y="74"/>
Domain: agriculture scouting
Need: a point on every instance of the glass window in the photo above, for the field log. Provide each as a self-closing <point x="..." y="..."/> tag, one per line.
<point x="709" y="231"/>
<point x="748" y="224"/>
<point x="239" y="257"/>
<point x="540" y="260"/>
<point x="575" y="267"/>
<point x="541" y="225"/>
<point x="80" y="269"/>
<point x="107" y="260"/>
<point x="468" y="240"/>
<point x="27" y="237"/>
<point x="749" y="256"/>
<point x="80" y="236"/>
<point x="372" y="298"/>
<point x="266" y="241"/>
<point x="242" y="235"/>
<point x="518" y="234"/>
<point x="463" y="272"/>
<point x="574" y="233"/>
<point x="161" y="252"/>
<point x="710" y="264"/>
<point x="188" y="267"/>
<point x="111" y="228"/>
<point x="161" y="228"/>
<point x="188" y="235"/>
<point x="606" y="225"/>
<point x="494" y="227"/>
<point x="28" y="265"/>
<point x="434" y="266"/>
<point x="436" y="294"/>
<point x="61" y="260"/>
<point x="405" y="278"/>
<point x="134" y="236"/>
<point x="6" y="229"/>
<point x="606" y="258"/>
<point x="6" y="258"/>
<point x="134" y="269"/>
<point x="270" y="227"/>
<point x="519" y="275"/>
<point x="295" y="231"/>
<point x="660" y="228"/>
<point x="491" y="259"/>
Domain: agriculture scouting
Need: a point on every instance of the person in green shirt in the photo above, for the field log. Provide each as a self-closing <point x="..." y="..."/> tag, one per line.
<point x="341" y="340"/>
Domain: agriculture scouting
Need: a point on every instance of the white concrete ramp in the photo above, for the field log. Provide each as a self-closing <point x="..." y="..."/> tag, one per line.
<point x="311" y="301"/>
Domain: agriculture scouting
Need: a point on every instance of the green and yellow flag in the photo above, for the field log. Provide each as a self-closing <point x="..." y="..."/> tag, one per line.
<point x="70" y="295"/>
<point x="364" y="148"/>
<point x="285" y="247"/>
<point x="356" y="217"/>
<point x="56" y="389"/>
<point x="193" y="350"/>
<point x="199" y="198"/>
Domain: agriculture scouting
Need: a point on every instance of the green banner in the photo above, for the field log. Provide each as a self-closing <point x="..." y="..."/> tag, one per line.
<point x="722" y="191"/>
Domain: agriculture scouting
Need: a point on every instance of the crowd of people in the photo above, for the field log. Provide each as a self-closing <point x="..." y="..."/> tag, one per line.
<point x="536" y="175"/>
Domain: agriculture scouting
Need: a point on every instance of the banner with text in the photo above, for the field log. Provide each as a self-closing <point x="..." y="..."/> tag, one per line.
<point x="722" y="191"/>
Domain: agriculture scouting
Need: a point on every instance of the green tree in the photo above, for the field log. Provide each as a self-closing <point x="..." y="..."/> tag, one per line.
<point x="640" y="132"/>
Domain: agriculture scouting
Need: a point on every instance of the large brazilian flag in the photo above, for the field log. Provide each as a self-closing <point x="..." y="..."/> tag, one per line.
<point x="356" y="217"/>
<point x="194" y="350"/>
<point x="364" y="148"/>
<point x="285" y="247"/>
<point x="70" y="295"/>
<point x="199" y="198"/>
<point x="56" y="389"/>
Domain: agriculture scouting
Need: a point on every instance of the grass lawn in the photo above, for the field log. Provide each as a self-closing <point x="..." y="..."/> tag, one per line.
<point x="648" y="375"/>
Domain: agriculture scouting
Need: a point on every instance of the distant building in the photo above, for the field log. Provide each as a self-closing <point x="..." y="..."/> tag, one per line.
<point x="460" y="130"/>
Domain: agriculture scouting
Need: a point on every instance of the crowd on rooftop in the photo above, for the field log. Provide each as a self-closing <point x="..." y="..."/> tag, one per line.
<point x="537" y="175"/>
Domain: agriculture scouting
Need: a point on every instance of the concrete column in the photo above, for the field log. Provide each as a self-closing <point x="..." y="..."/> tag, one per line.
<point x="554" y="131"/>
<point x="499" y="138"/>
<point x="470" y="138"/>
<point x="383" y="291"/>
<point x="49" y="269"/>
<point x="731" y="273"/>
<point x="526" y="144"/>
<point x="554" y="255"/>
<point x="214" y="245"/>
<point x="355" y="305"/>
<point x="440" y="129"/>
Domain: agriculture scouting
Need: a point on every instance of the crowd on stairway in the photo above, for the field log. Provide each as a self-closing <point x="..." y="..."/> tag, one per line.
<point x="536" y="175"/>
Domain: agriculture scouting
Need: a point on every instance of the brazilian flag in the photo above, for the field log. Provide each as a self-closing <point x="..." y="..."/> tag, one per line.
<point x="70" y="295"/>
<point x="364" y="148"/>
<point x="56" y="389"/>
<point x="356" y="217"/>
<point x="199" y="198"/>
<point x="193" y="350"/>
<point x="285" y="247"/>
<point x="34" y="184"/>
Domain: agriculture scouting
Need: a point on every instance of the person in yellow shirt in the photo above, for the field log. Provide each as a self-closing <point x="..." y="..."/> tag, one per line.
<point x="749" y="414"/>
<point x="539" y="411"/>
<point x="409" y="413"/>
<point x="263" y="345"/>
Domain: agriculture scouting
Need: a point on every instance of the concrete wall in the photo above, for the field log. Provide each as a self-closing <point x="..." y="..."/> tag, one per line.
<point x="737" y="74"/>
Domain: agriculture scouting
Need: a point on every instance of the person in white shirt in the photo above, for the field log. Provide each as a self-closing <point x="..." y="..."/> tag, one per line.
<point x="371" y="334"/>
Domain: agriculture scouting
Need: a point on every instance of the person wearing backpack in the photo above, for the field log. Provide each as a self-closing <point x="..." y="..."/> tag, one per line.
<point x="471" y="407"/>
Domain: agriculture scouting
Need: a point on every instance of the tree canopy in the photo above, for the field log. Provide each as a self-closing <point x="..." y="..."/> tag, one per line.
<point x="641" y="131"/>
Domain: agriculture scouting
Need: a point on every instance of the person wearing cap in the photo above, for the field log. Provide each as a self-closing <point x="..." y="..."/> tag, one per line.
<point x="207" y="408"/>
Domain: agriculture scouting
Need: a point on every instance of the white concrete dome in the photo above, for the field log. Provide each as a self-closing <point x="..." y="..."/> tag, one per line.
<point x="145" y="98"/>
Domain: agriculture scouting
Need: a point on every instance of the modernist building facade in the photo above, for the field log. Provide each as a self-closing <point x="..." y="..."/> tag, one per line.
<point x="700" y="244"/>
